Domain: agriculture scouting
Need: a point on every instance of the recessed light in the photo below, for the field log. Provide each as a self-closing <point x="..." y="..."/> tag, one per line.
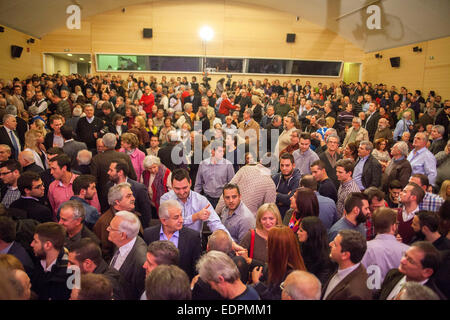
<point x="69" y="54"/>
<point x="82" y="59"/>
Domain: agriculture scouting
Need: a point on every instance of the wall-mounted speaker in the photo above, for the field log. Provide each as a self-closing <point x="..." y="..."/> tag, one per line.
<point x="290" y="37"/>
<point x="16" y="51"/>
<point x="395" y="62"/>
<point x="148" y="33"/>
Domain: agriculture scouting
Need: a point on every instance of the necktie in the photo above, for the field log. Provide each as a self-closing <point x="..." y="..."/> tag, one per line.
<point x="114" y="259"/>
<point x="14" y="142"/>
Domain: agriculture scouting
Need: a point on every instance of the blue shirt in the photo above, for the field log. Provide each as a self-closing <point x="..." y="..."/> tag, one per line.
<point x="212" y="177"/>
<point x="174" y="238"/>
<point x="358" y="171"/>
<point x="327" y="210"/>
<point x="424" y="162"/>
<point x="303" y="160"/>
<point x="194" y="203"/>
<point x="401" y="127"/>
<point x="239" y="222"/>
<point x="344" y="224"/>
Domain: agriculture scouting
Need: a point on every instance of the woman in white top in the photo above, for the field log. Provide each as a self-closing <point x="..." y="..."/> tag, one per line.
<point x="34" y="142"/>
<point x="380" y="153"/>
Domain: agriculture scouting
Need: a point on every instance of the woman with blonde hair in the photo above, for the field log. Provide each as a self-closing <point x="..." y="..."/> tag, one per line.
<point x="34" y="142"/>
<point x="139" y="124"/>
<point x="130" y="143"/>
<point x="445" y="190"/>
<point x="257" y="108"/>
<point x="255" y="241"/>
<point x="39" y="125"/>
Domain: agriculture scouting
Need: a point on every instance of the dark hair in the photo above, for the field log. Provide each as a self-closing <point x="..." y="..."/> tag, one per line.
<point x="26" y="179"/>
<point x="383" y="218"/>
<point x="429" y="219"/>
<point x="7" y="229"/>
<point x="168" y="283"/>
<point x="308" y="181"/>
<point x="374" y="192"/>
<point x="66" y="132"/>
<point x="305" y="136"/>
<point x="53" y="232"/>
<point x="354" y="243"/>
<point x="318" y="163"/>
<point x="180" y="174"/>
<point x="106" y="105"/>
<point x="432" y="256"/>
<point x="62" y="160"/>
<point x="307" y="203"/>
<point x="116" y="118"/>
<point x="86" y="248"/>
<point x="316" y="246"/>
<point x="164" y="251"/>
<point x="95" y="287"/>
<point x="82" y="182"/>
<point x="288" y="156"/>
<point x="347" y="164"/>
<point x="354" y="199"/>
<point x="417" y="191"/>
<point x="121" y="165"/>
<point x="55" y="150"/>
<point x="423" y="179"/>
<point x="12" y="165"/>
<point x="55" y="117"/>
<point x="395" y="184"/>
<point x="230" y="186"/>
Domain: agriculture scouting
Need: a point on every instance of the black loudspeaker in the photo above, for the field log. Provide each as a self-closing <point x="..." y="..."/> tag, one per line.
<point x="290" y="37"/>
<point x="395" y="62"/>
<point x="148" y="33"/>
<point x="16" y="51"/>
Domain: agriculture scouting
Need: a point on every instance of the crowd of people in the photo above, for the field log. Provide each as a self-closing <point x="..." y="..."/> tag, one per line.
<point x="167" y="189"/>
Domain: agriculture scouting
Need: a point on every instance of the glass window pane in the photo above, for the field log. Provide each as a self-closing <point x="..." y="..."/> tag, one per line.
<point x="316" y="68"/>
<point x="266" y="66"/>
<point x="164" y="63"/>
<point x="225" y="64"/>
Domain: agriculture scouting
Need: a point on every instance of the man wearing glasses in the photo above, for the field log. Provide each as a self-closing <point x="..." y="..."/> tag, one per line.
<point x="31" y="189"/>
<point x="9" y="173"/>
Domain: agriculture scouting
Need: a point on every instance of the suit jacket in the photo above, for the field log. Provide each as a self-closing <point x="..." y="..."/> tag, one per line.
<point x="48" y="140"/>
<point x="117" y="281"/>
<point x="133" y="272"/>
<point x="371" y="176"/>
<point x="372" y="125"/>
<point x="189" y="245"/>
<point x="6" y="139"/>
<point x="352" y="287"/>
<point x="142" y="202"/>
<point x="31" y="209"/>
<point x="99" y="169"/>
<point x="393" y="277"/>
<point x="72" y="147"/>
<point x="20" y="253"/>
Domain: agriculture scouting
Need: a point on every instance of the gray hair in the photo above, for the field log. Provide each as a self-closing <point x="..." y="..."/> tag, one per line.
<point x="249" y="112"/>
<point x="115" y="193"/>
<point x="164" y="207"/>
<point x="356" y="119"/>
<point x="109" y="140"/>
<point x="130" y="224"/>
<point x="77" y="111"/>
<point x="333" y="135"/>
<point x="84" y="157"/>
<point x="367" y="144"/>
<point x="416" y="291"/>
<point x="77" y="207"/>
<point x="151" y="160"/>
<point x="186" y="105"/>
<point x="214" y="264"/>
<point x="402" y="146"/>
<point x="11" y="109"/>
<point x="7" y="116"/>
<point x="440" y="129"/>
<point x="219" y="240"/>
<point x="302" y="285"/>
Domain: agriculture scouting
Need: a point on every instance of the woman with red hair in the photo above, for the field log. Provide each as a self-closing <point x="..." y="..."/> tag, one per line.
<point x="283" y="258"/>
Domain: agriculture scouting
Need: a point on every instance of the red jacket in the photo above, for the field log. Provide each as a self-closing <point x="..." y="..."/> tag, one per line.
<point x="148" y="102"/>
<point x="225" y="107"/>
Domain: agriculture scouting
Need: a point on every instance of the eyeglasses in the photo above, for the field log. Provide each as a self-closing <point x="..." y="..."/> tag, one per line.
<point x="38" y="186"/>
<point x="5" y="173"/>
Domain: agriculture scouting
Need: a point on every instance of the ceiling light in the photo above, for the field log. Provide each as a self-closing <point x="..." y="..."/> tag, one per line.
<point x="82" y="59"/>
<point x="69" y="54"/>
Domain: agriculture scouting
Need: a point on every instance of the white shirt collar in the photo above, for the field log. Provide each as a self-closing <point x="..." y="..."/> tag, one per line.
<point x="49" y="267"/>
<point x="125" y="249"/>
<point x="408" y="216"/>
<point x="342" y="273"/>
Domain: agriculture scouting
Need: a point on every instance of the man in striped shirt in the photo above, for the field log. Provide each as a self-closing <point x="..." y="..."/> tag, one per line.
<point x="344" y="172"/>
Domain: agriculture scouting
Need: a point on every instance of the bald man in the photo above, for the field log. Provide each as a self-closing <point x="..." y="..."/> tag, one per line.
<point x="26" y="159"/>
<point x="301" y="285"/>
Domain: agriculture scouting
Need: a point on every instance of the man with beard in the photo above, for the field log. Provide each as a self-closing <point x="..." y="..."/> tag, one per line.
<point x="356" y="211"/>
<point x="410" y="198"/>
<point x="425" y="224"/>
<point x="384" y="131"/>
<point x="84" y="189"/>
<point x="286" y="182"/>
<point x="50" y="276"/>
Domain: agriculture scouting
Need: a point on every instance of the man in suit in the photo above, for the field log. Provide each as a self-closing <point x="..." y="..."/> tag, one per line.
<point x="372" y="120"/>
<point x="22" y="125"/>
<point x="418" y="264"/>
<point x="195" y="99"/>
<point x="131" y="252"/>
<point x="54" y="138"/>
<point x="71" y="147"/>
<point x="186" y="240"/>
<point x="118" y="173"/>
<point x="27" y="161"/>
<point x="9" y="136"/>
<point x="437" y="134"/>
<point x="349" y="282"/>
<point x="88" y="128"/>
<point x="31" y="188"/>
<point x="367" y="172"/>
<point x="87" y="256"/>
<point x="100" y="167"/>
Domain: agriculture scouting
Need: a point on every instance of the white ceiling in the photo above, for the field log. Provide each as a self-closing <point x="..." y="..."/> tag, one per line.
<point x="402" y="22"/>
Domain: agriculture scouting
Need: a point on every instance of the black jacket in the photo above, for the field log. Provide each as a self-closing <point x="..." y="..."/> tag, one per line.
<point x="371" y="175"/>
<point x="114" y="276"/>
<point x="31" y="209"/>
<point x="85" y="131"/>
